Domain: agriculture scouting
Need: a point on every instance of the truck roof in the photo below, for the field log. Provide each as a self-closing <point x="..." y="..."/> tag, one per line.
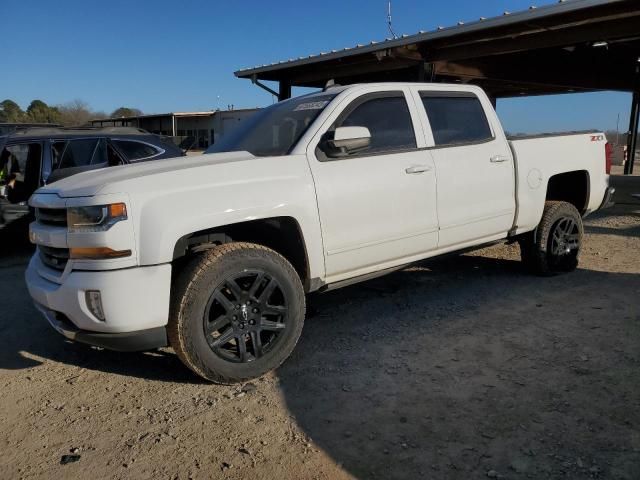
<point x="444" y="86"/>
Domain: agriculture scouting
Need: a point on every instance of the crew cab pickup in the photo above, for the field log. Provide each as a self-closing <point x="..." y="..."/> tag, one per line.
<point x="213" y="255"/>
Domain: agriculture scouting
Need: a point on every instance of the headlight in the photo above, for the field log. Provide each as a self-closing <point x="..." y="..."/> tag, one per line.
<point x="95" y="219"/>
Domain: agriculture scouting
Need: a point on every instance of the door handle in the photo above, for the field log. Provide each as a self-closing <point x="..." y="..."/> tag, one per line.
<point x="499" y="159"/>
<point x="418" y="169"/>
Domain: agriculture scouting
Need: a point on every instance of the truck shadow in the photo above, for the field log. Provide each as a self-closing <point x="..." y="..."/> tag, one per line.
<point x="467" y="365"/>
<point x="27" y="340"/>
<point x="448" y="369"/>
<point x="14" y="242"/>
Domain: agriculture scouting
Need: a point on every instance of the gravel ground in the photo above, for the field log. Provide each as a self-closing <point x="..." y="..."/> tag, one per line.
<point x="460" y="368"/>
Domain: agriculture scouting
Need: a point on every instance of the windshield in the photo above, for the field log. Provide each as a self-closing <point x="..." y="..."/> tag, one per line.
<point x="275" y="130"/>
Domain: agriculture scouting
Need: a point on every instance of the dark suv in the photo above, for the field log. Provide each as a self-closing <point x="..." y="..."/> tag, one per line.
<point x="32" y="157"/>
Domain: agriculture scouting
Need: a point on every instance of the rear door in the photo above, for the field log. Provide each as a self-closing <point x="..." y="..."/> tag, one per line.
<point x="474" y="165"/>
<point x="378" y="206"/>
<point x="20" y="176"/>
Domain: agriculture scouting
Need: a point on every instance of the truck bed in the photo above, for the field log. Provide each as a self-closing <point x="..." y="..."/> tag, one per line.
<point x="550" y="134"/>
<point x="540" y="157"/>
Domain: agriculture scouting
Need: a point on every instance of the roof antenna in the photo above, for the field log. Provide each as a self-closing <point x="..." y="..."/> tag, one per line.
<point x="393" y="34"/>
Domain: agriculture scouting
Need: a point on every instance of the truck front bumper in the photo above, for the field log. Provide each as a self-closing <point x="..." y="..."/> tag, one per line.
<point x="139" y="341"/>
<point x="135" y="302"/>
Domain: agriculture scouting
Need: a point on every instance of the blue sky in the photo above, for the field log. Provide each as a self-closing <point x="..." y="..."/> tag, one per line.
<point x="163" y="56"/>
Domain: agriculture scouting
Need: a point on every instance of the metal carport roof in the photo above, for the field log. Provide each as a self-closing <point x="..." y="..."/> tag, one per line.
<point x="540" y="50"/>
<point x="571" y="46"/>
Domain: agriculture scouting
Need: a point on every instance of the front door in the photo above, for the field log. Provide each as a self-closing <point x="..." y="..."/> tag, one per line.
<point x="377" y="207"/>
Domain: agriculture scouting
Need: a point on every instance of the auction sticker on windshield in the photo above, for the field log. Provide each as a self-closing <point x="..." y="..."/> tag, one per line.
<point x="311" y="106"/>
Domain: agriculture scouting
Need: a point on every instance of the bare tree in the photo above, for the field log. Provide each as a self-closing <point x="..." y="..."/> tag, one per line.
<point x="75" y="113"/>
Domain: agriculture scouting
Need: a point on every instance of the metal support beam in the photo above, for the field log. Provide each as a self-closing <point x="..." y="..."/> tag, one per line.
<point x="285" y="90"/>
<point x="255" y="81"/>
<point x="632" y="137"/>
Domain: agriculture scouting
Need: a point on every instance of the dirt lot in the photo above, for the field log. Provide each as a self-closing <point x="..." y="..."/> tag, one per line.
<point x="461" y="368"/>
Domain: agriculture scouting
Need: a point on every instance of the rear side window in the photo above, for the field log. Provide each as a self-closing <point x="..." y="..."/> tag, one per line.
<point x="76" y="153"/>
<point x="387" y="118"/>
<point x="133" y="151"/>
<point x="456" y="119"/>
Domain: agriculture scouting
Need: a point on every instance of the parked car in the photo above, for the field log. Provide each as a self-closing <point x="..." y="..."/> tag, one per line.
<point x="214" y="254"/>
<point x="32" y="157"/>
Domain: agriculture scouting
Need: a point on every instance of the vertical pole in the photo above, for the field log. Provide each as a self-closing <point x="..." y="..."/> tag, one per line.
<point x="284" y="91"/>
<point x="422" y="67"/>
<point x="173" y="125"/>
<point x="632" y="139"/>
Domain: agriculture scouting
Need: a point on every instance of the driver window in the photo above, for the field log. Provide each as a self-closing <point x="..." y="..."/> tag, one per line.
<point x="388" y="119"/>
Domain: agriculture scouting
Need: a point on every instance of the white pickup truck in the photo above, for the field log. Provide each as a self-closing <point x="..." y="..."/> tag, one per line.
<point x="213" y="254"/>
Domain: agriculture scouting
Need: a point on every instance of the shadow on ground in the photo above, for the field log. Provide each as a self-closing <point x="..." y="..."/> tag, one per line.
<point x="27" y="339"/>
<point x="468" y="366"/>
<point x="14" y="242"/>
<point x="455" y="369"/>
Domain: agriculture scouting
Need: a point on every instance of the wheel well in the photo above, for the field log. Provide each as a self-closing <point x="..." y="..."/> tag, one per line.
<point x="281" y="234"/>
<point x="571" y="187"/>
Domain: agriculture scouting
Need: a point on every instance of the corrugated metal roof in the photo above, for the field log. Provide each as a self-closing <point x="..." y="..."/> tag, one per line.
<point x="508" y="18"/>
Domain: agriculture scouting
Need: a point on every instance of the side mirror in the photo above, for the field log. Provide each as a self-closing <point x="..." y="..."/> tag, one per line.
<point x="345" y="140"/>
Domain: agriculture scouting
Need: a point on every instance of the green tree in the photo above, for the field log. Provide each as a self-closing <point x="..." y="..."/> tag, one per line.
<point x="126" y="112"/>
<point x="10" y="112"/>
<point x="40" y="112"/>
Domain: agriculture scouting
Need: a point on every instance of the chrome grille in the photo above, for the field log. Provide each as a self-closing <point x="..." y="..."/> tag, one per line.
<point x="56" y="258"/>
<point x="52" y="216"/>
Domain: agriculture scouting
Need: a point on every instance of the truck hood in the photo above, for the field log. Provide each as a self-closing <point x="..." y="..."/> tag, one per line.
<point x="113" y="179"/>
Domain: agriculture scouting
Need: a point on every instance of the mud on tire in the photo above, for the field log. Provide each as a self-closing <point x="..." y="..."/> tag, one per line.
<point x="555" y="245"/>
<point x="236" y="312"/>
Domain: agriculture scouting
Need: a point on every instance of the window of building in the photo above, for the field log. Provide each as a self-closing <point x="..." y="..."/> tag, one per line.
<point x="456" y="119"/>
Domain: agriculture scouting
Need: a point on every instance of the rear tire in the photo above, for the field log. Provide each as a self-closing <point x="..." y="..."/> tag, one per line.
<point x="554" y="246"/>
<point x="236" y="313"/>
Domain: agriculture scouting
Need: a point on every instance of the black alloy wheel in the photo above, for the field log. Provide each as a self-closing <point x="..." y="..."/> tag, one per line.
<point x="554" y="247"/>
<point x="245" y="316"/>
<point x="237" y="311"/>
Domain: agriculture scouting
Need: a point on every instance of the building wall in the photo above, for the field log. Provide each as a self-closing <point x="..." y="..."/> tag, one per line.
<point x="207" y="129"/>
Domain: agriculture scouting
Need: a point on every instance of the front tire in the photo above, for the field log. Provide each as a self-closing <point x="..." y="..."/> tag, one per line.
<point x="237" y="312"/>
<point x="555" y="245"/>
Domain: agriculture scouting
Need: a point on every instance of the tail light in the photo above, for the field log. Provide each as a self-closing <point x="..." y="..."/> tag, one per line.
<point x="608" y="157"/>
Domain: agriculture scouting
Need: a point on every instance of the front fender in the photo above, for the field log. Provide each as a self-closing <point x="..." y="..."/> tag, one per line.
<point x="164" y="218"/>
